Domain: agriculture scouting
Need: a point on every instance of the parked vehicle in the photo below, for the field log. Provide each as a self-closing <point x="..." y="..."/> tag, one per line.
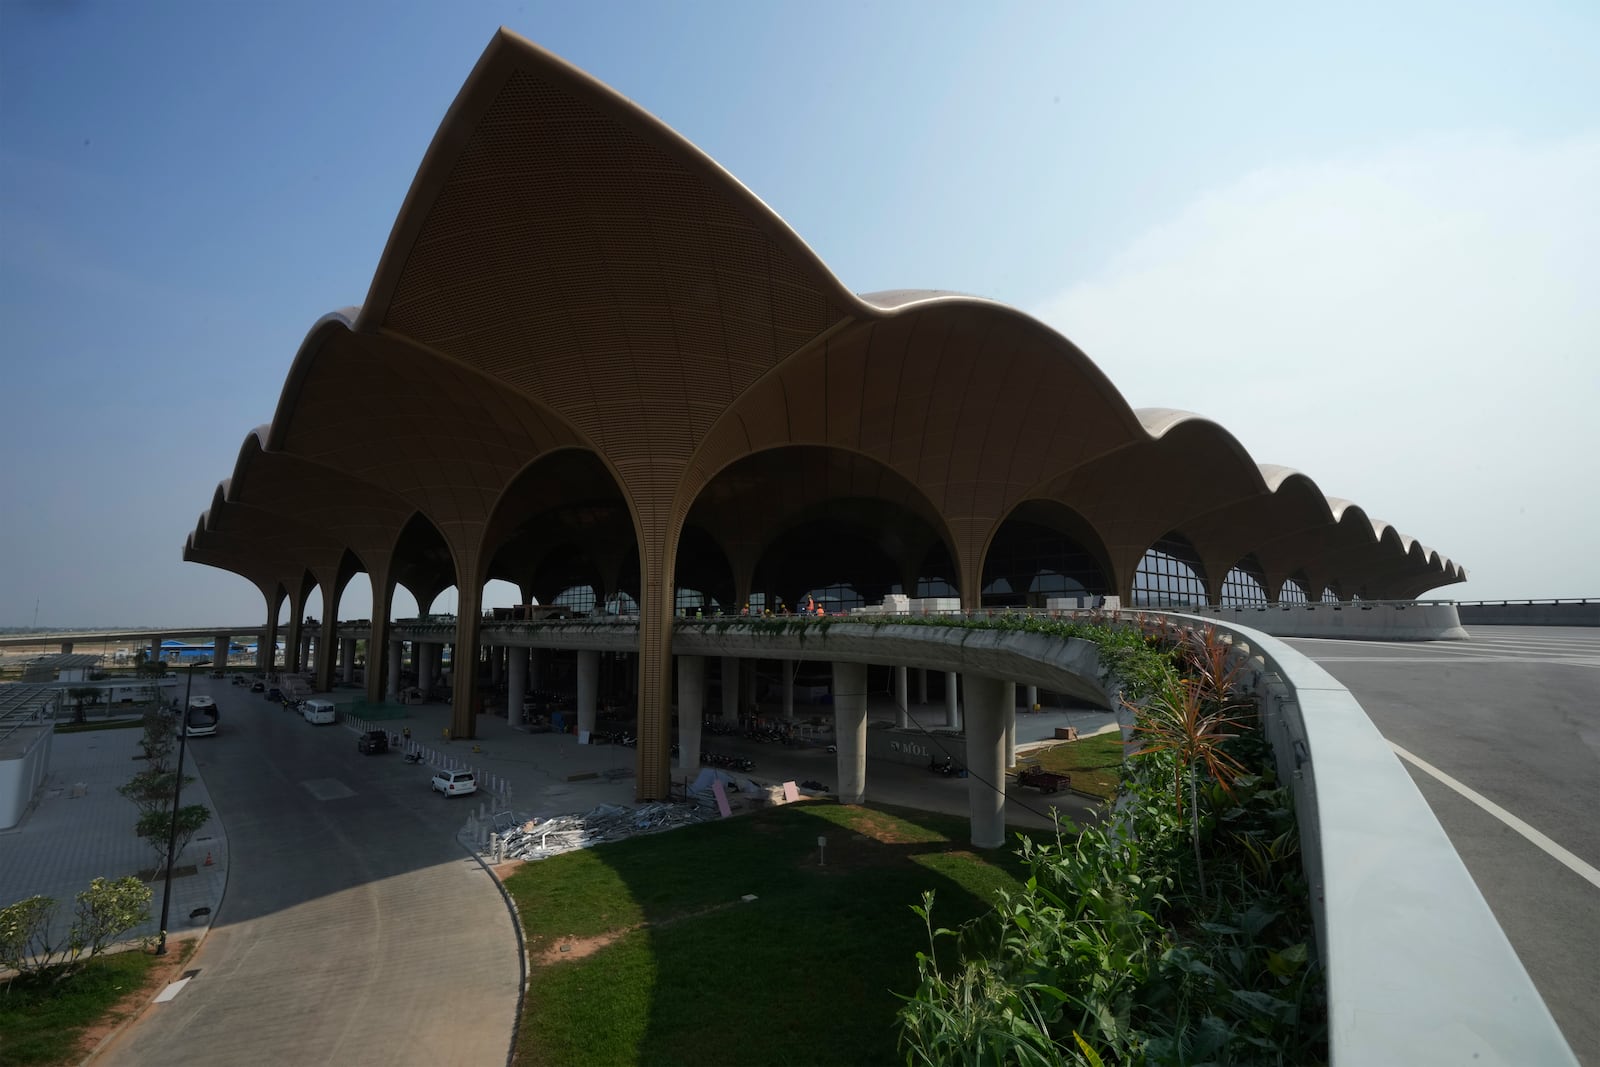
<point x="1042" y="780"/>
<point x="275" y="695"/>
<point x="372" y="742"/>
<point x="200" y="720"/>
<point x="319" y="712"/>
<point x="455" y="783"/>
<point x="258" y="687"/>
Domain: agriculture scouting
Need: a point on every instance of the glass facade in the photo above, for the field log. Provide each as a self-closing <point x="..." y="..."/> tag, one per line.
<point x="833" y="598"/>
<point x="1029" y="563"/>
<point x="1169" y="575"/>
<point x="1244" y="584"/>
<point x="579" y="599"/>
<point x="1330" y="595"/>
<point x="1293" y="592"/>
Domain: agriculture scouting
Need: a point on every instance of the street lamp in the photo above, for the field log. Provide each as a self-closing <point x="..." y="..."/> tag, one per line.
<point x="177" y="787"/>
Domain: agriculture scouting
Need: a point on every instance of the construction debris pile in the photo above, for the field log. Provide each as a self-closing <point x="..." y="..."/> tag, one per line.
<point x="537" y="839"/>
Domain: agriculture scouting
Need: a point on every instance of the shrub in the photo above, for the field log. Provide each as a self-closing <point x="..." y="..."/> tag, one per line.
<point x="105" y="911"/>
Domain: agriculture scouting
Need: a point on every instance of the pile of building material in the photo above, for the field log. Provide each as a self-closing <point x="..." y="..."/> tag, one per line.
<point x="539" y="838"/>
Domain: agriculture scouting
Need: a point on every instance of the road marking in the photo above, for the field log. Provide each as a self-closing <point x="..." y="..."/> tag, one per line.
<point x="1556" y="852"/>
<point x="171" y="991"/>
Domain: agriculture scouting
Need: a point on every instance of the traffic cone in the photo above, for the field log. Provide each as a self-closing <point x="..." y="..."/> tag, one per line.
<point x="208" y="860"/>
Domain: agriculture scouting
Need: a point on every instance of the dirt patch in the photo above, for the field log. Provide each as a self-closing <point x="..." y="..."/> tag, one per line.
<point x="576" y="948"/>
<point x="877" y="828"/>
<point x="167" y="969"/>
<point x="506" y="868"/>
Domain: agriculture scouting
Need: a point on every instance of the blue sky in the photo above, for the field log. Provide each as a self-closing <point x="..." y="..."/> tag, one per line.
<point x="1363" y="238"/>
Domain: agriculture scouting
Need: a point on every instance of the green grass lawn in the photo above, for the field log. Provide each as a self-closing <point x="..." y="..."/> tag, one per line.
<point x="667" y="965"/>
<point x="41" y="1020"/>
<point x="1095" y="763"/>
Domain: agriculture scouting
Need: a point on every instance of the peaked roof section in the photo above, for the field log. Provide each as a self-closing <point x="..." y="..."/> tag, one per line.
<point x="568" y="272"/>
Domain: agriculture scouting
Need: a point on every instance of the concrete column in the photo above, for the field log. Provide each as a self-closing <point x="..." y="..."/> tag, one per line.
<point x="952" y="701"/>
<point x="691" y="709"/>
<point x="747" y="684"/>
<point x="516" y="680"/>
<point x="347" y="653"/>
<point x="588" y="686"/>
<point x="902" y="718"/>
<point x="219" y="652"/>
<point x="397" y="650"/>
<point x="155" y="649"/>
<point x="1009" y="710"/>
<point x="850" y="730"/>
<point x="730" y="688"/>
<point x="305" y="653"/>
<point x="1031" y="696"/>
<point x="422" y="652"/>
<point x="986" y="798"/>
<point x="787" y="668"/>
<point x="922" y="685"/>
<point x="66" y="648"/>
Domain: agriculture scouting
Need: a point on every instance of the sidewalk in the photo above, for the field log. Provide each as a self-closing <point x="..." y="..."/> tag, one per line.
<point x="66" y="840"/>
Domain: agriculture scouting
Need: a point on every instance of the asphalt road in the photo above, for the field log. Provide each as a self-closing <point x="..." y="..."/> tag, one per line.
<point x="1514" y="715"/>
<point x="354" y="929"/>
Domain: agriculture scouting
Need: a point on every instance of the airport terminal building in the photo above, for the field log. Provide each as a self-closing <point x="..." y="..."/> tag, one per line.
<point x="593" y="365"/>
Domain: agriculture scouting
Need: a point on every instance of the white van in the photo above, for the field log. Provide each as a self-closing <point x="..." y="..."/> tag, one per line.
<point x="201" y="718"/>
<point x="318" y="712"/>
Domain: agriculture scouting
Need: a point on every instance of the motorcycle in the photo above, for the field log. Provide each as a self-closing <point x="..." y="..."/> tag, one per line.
<point x="947" y="767"/>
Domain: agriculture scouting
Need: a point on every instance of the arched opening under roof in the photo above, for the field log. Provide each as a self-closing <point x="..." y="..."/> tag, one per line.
<point x="1330" y="594"/>
<point x="1043" y="550"/>
<point x="1169" y="575"/>
<point x="799" y="519"/>
<point x="937" y="576"/>
<point x="561" y="532"/>
<point x="1245" y="584"/>
<point x="706" y="580"/>
<point x="1293" y="591"/>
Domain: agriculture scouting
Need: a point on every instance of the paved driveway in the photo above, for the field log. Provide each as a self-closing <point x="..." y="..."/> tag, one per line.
<point x="354" y="929"/>
<point x="1514" y="716"/>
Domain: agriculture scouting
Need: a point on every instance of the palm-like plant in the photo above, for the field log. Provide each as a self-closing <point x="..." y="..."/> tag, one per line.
<point x="1180" y="719"/>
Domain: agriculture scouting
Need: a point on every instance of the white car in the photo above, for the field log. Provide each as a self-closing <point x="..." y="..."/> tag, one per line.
<point x="455" y="783"/>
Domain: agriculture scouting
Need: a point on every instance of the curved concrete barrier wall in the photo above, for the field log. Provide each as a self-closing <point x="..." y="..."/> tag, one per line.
<point x="1419" y="970"/>
<point x="1532" y="613"/>
<point x="1385" y="620"/>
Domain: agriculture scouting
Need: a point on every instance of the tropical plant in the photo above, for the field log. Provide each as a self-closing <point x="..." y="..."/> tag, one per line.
<point x="152" y="789"/>
<point x="160" y="737"/>
<point x="105" y="911"/>
<point x="1177" y="720"/>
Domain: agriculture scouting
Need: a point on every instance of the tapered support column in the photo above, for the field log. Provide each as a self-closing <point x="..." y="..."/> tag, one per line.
<point x="1008" y="708"/>
<point x="922" y="686"/>
<point x="588" y="686"/>
<point x="422" y="652"/>
<point x="516" y="681"/>
<point x="730" y="688"/>
<point x="383" y="656"/>
<point x="347" y="655"/>
<point x="397" y="652"/>
<point x="850" y="730"/>
<point x="986" y="797"/>
<point x="465" y="703"/>
<point x="901" y="717"/>
<point x="1030" y="698"/>
<point x="327" y="644"/>
<point x="952" y="701"/>
<point x="787" y="668"/>
<point x="691" y="709"/>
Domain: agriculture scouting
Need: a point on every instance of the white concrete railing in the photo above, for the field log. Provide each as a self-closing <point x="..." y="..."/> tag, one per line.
<point x="1365" y="620"/>
<point x="1418" y="968"/>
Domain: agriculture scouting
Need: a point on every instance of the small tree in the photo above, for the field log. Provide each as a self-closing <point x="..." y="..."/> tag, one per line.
<point x="160" y="734"/>
<point x="152" y="789"/>
<point x="156" y="828"/>
<point x="24" y="935"/>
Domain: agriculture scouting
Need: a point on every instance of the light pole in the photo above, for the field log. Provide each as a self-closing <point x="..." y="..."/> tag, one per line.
<point x="177" y="787"/>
